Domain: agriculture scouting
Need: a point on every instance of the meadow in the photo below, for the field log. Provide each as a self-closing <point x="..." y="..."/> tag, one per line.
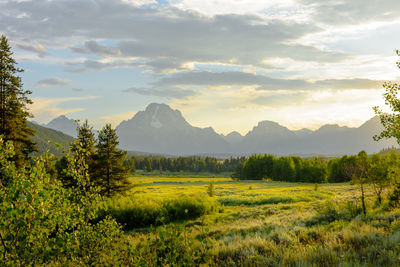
<point x="187" y="221"/>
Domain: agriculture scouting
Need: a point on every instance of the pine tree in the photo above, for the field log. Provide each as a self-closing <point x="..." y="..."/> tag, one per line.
<point x="13" y="106"/>
<point x="85" y="142"/>
<point x="110" y="174"/>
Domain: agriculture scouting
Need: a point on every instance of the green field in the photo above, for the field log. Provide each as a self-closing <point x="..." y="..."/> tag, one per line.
<point x="257" y="223"/>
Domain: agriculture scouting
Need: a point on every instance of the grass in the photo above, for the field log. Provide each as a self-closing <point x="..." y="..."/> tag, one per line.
<point x="260" y="223"/>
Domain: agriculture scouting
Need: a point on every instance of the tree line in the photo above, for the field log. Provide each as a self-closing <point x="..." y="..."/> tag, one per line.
<point x="188" y="164"/>
<point x="313" y="170"/>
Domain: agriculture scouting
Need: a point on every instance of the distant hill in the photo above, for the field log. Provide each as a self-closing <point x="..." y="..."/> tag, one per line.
<point x="63" y="124"/>
<point x="161" y="130"/>
<point x="46" y="139"/>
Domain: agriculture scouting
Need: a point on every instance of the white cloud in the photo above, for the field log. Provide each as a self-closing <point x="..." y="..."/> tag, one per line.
<point x="218" y="7"/>
<point x="140" y="2"/>
<point x="45" y="109"/>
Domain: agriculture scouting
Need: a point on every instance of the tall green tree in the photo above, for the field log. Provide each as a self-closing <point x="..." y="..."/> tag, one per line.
<point x="85" y="142"/>
<point x="110" y="173"/>
<point x="382" y="173"/>
<point x="13" y="106"/>
<point x="390" y="121"/>
<point x="357" y="167"/>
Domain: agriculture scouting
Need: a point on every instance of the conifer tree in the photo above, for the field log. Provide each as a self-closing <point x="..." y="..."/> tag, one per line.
<point x="13" y="106"/>
<point x="110" y="174"/>
<point x="85" y="142"/>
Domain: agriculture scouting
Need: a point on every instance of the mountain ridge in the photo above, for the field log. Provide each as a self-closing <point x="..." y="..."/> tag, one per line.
<point x="159" y="129"/>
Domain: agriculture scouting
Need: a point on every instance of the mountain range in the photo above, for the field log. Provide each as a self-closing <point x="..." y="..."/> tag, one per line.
<point x="160" y="129"/>
<point x="63" y="124"/>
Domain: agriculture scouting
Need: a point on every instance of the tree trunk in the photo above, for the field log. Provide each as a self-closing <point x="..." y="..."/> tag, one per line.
<point x="363" y="199"/>
<point x="379" y="198"/>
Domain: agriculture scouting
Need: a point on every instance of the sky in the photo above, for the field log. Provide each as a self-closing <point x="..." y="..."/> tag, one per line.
<point x="227" y="64"/>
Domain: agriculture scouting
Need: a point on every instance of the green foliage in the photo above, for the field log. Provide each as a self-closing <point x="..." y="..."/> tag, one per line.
<point x="13" y="106"/>
<point x="85" y="142"/>
<point x="109" y="171"/>
<point x="288" y="169"/>
<point x="390" y="122"/>
<point x="170" y="246"/>
<point x="43" y="223"/>
<point x="135" y="213"/>
<point x="382" y="173"/>
<point x="394" y="197"/>
<point x="238" y="172"/>
<point x="337" y="169"/>
<point x="329" y="211"/>
<point x="314" y="171"/>
<point x="192" y="164"/>
<point x="211" y="190"/>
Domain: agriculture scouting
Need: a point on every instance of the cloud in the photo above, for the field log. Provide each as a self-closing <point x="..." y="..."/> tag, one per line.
<point x="99" y="65"/>
<point x="77" y="89"/>
<point x="38" y="48"/>
<point x="353" y="12"/>
<point x="140" y="2"/>
<point x="159" y="35"/>
<point x="261" y="82"/>
<point x="217" y="7"/>
<point x="281" y="100"/>
<point x="45" y="109"/>
<point x="94" y="48"/>
<point x="166" y="92"/>
<point x="52" y="82"/>
<point x="349" y="84"/>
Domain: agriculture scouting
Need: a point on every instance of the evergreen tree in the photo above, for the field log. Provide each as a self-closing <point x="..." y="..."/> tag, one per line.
<point x="13" y="106"/>
<point x="110" y="174"/>
<point x="85" y="142"/>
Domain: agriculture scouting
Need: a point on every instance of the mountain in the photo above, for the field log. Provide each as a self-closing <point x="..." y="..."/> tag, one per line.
<point x="161" y="130"/>
<point x="63" y="124"/>
<point x="46" y="139"/>
<point x="233" y="138"/>
<point x="268" y="136"/>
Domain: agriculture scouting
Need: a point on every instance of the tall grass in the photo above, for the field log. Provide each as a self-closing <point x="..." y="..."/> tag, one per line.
<point x="134" y="212"/>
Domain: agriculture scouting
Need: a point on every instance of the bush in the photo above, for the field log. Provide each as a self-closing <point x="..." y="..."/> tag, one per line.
<point x="169" y="246"/>
<point x="43" y="223"/>
<point x="329" y="212"/>
<point x="136" y="213"/>
<point x="211" y="190"/>
<point x="255" y="201"/>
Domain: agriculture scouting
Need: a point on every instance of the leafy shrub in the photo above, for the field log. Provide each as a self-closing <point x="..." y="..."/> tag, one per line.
<point x="255" y="201"/>
<point x="43" y="223"/>
<point x="211" y="190"/>
<point x="330" y="211"/>
<point x="169" y="246"/>
<point x="134" y="213"/>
